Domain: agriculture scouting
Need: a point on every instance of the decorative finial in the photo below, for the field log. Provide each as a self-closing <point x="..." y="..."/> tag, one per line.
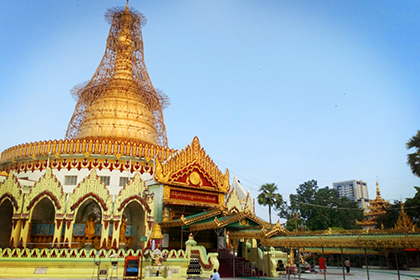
<point x="378" y="193"/>
<point x="126" y="7"/>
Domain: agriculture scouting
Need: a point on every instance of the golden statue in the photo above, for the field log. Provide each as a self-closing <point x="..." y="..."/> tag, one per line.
<point x="90" y="229"/>
<point x="122" y="231"/>
<point x="156" y="257"/>
<point x="302" y="260"/>
<point x="165" y="214"/>
<point x="291" y="258"/>
<point x="157" y="260"/>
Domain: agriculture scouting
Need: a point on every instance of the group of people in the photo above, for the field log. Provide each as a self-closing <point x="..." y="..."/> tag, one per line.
<point x="280" y="267"/>
<point x="322" y="265"/>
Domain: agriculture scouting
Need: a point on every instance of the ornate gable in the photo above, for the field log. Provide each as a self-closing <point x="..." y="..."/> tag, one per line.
<point x="90" y="187"/>
<point x="248" y="203"/>
<point x="47" y="186"/>
<point x="232" y="202"/>
<point x="275" y="231"/>
<point x="135" y="189"/>
<point x="11" y="189"/>
<point x="192" y="168"/>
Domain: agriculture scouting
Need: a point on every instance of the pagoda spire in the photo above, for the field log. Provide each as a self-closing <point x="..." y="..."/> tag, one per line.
<point x="120" y="102"/>
<point x="378" y="192"/>
<point x="377" y="207"/>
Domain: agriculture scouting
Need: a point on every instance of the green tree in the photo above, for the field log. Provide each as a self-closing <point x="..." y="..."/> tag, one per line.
<point x="323" y="208"/>
<point x="413" y="159"/>
<point x="389" y="219"/>
<point x="269" y="197"/>
<point x="305" y="194"/>
<point x="412" y="207"/>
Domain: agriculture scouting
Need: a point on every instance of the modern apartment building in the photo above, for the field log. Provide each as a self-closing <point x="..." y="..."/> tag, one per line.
<point x="353" y="190"/>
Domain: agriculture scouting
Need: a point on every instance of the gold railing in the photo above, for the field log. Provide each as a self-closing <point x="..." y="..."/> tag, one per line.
<point x="86" y="147"/>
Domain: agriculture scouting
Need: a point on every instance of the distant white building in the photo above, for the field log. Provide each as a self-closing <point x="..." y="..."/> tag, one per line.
<point x="353" y="190"/>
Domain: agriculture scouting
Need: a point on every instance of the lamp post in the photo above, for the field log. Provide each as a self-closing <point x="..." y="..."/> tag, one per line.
<point x="296" y="215"/>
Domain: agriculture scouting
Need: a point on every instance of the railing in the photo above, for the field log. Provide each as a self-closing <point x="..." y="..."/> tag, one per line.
<point x="86" y="147"/>
<point x="50" y="245"/>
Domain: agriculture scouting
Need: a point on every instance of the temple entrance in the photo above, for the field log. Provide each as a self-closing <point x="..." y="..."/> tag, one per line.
<point x="6" y="210"/>
<point x="134" y="217"/>
<point x="42" y="224"/>
<point x="206" y="238"/>
<point x="88" y="224"/>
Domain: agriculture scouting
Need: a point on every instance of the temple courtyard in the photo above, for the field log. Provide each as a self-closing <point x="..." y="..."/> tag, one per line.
<point x="332" y="274"/>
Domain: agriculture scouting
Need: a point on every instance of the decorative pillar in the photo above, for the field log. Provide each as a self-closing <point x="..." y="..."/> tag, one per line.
<point x="25" y="230"/>
<point x="68" y="234"/>
<point x="150" y="200"/>
<point x="15" y="234"/>
<point x="105" y="231"/>
<point x="58" y="229"/>
<point x="116" y="232"/>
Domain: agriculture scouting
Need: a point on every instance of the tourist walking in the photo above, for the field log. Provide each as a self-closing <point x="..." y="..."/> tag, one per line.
<point x="347" y="264"/>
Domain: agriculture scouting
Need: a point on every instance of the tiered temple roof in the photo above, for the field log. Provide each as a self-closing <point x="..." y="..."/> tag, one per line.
<point x="377" y="207"/>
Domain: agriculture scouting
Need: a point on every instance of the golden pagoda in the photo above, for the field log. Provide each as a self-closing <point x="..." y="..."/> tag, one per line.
<point x="119" y="102"/>
<point x="377" y="207"/>
<point x="404" y="223"/>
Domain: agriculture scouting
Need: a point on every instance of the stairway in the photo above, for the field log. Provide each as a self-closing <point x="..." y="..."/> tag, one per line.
<point x="226" y="264"/>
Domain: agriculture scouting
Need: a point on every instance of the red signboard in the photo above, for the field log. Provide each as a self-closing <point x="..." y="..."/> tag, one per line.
<point x="194" y="197"/>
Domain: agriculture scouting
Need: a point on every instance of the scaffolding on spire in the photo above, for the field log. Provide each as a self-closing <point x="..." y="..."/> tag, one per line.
<point x="120" y="102"/>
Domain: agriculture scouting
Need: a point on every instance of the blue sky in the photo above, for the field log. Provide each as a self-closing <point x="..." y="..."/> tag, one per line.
<point x="276" y="91"/>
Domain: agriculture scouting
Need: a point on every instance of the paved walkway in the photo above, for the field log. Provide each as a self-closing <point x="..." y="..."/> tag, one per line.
<point x="355" y="274"/>
<point x="332" y="274"/>
<point x="360" y="274"/>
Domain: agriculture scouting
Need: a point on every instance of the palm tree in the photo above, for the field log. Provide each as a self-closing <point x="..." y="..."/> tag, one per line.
<point x="413" y="159"/>
<point x="268" y="197"/>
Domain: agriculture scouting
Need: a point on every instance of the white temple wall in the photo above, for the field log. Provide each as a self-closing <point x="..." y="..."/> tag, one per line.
<point x="114" y="177"/>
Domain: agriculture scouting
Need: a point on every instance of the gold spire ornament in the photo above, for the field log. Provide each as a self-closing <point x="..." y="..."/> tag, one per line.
<point x="120" y="102"/>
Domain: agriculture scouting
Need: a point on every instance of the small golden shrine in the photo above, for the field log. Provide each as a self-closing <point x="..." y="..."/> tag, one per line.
<point x="377" y="207"/>
<point x="192" y="185"/>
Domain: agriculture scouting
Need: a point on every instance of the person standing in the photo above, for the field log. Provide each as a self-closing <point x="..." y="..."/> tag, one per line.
<point x="347" y="264"/>
<point x="322" y="264"/>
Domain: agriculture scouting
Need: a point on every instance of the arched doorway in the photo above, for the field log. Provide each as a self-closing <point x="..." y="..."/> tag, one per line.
<point x="6" y="210"/>
<point x="89" y="214"/>
<point x="135" y="218"/>
<point x="42" y="224"/>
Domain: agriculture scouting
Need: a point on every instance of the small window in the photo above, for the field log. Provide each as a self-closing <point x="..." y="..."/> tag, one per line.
<point x="123" y="181"/>
<point x="105" y="179"/>
<point x="70" y="180"/>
